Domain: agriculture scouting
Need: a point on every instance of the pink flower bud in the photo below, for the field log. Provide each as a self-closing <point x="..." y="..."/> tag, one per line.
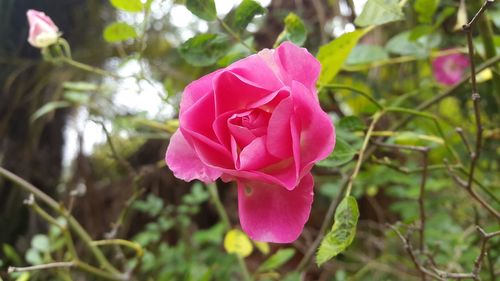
<point x="43" y="31"/>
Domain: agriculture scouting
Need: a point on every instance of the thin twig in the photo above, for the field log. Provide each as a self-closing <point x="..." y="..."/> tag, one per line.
<point x="460" y="132"/>
<point x="75" y="225"/>
<point x="12" y="269"/>
<point x="409" y="249"/>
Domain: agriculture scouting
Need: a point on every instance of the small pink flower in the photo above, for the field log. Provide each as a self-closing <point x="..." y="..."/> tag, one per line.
<point x="450" y="69"/>
<point x="257" y="122"/>
<point x="43" y="32"/>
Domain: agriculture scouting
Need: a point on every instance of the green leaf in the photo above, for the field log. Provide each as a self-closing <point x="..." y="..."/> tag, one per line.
<point x="351" y="123"/>
<point x="419" y="31"/>
<point x="128" y="5"/>
<point x="33" y="257"/>
<point x="204" y="49"/>
<point x="342" y="154"/>
<point x="277" y="259"/>
<point x="402" y="44"/>
<point x="204" y="9"/>
<point x="295" y="31"/>
<point x="378" y="12"/>
<point x="363" y="54"/>
<point x="495" y="16"/>
<point x="41" y="243"/>
<point x="76" y="97"/>
<point x="81" y="86"/>
<point x="426" y="9"/>
<point x="342" y="233"/>
<point x="211" y="235"/>
<point x="152" y="206"/>
<point x="293" y="276"/>
<point x="245" y="13"/>
<point x="11" y="254"/>
<point x="49" y="107"/>
<point x="25" y="276"/>
<point x="333" y="55"/>
<point x="119" y="31"/>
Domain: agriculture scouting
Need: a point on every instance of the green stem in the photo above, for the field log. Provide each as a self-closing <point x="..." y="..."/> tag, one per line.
<point x="354" y="174"/>
<point x="68" y="265"/>
<point x="74" y="224"/>
<point x="67" y="235"/>
<point x="88" y="68"/>
<point x="436" y="122"/>
<point x="99" y="272"/>
<point x="132" y="245"/>
<point x="235" y="35"/>
<point x="352" y="89"/>
<point x="214" y="194"/>
<point x="212" y="189"/>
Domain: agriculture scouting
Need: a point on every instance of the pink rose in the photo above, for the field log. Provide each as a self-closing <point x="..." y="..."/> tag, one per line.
<point x="43" y="32"/>
<point x="257" y="122"/>
<point x="450" y="69"/>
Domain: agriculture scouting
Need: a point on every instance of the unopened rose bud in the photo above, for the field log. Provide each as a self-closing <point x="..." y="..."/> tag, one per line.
<point x="43" y="31"/>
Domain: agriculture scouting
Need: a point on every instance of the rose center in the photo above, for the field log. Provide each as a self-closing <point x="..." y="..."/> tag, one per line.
<point x="248" y="125"/>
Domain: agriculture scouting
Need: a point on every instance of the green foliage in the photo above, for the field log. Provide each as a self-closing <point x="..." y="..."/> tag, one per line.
<point x="128" y="5"/>
<point x="177" y="262"/>
<point x="40" y="242"/>
<point x="204" y="9"/>
<point x="362" y="54"/>
<point x="333" y="55"/>
<point x="343" y="153"/>
<point x="204" y="49"/>
<point x="10" y="254"/>
<point x="402" y="44"/>
<point x="245" y="13"/>
<point x="119" y="31"/>
<point x="342" y="233"/>
<point x="295" y="31"/>
<point x="277" y="259"/>
<point x="378" y="12"/>
<point x="351" y="123"/>
<point x="426" y="9"/>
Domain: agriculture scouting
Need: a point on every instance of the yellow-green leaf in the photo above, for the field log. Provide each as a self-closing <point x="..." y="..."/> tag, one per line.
<point x="128" y="5"/>
<point x="119" y="31"/>
<point x="263" y="247"/>
<point x="237" y="242"/>
<point x="49" y="107"/>
<point x="333" y="55"/>
<point x="25" y="276"/>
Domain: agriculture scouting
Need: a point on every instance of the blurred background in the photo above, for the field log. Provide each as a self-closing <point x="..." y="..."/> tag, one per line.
<point x="97" y="143"/>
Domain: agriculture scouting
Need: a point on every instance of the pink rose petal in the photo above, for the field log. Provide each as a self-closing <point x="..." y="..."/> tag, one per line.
<point x="271" y="213"/>
<point x="184" y="162"/>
